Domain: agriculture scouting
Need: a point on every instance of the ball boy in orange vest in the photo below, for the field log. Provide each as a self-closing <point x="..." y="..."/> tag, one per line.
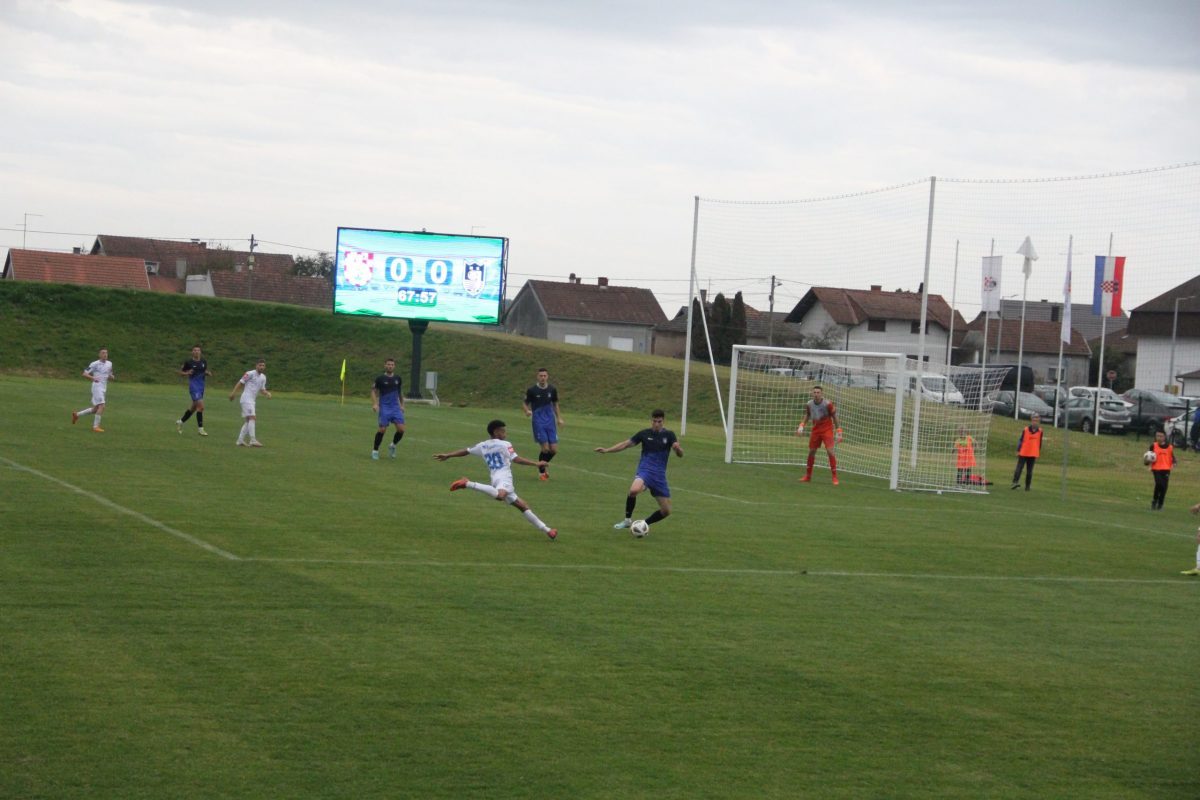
<point x="1029" y="447"/>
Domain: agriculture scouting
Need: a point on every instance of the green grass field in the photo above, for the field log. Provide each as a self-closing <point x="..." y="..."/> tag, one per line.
<point x="183" y="618"/>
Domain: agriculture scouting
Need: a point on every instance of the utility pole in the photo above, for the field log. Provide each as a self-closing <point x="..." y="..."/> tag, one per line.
<point x="771" y="314"/>
<point x="25" y="227"/>
<point x="250" y="269"/>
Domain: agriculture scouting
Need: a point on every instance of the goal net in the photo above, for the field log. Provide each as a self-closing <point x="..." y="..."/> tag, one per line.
<point x="919" y="429"/>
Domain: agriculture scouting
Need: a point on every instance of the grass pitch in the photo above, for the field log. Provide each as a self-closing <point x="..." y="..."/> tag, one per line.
<point x="183" y="618"/>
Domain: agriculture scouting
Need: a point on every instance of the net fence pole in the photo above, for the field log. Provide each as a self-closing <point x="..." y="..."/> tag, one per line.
<point x="953" y="303"/>
<point x="687" y="354"/>
<point x="916" y="432"/>
<point x="897" y="423"/>
<point x="733" y="383"/>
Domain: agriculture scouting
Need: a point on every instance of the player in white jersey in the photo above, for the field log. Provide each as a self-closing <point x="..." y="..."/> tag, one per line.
<point x="99" y="372"/>
<point x="252" y="384"/>
<point x="499" y="455"/>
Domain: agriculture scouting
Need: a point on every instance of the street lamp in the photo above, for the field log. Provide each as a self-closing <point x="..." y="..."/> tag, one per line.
<point x="1174" y="328"/>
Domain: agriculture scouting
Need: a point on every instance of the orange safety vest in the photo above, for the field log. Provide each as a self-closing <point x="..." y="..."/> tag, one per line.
<point x="966" y="452"/>
<point x="1164" y="458"/>
<point x="1031" y="442"/>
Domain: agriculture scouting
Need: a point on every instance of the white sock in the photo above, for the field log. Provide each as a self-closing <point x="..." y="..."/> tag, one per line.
<point x="96" y="423"/>
<point x="242" y="433"/>
<point x="86" y="411"/>
<point x="250" y="429"/>
<point x="487" y="489"/>
<point x="534" y="521"/>
<point x="1198" y="558"/>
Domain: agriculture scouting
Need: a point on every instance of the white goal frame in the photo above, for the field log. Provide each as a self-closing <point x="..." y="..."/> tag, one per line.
<point x="881" y="392"/>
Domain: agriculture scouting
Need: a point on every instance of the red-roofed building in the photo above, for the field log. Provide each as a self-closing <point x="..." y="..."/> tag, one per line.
<point x="878" y="321"/>
<point x="176" y="259"/>
<point x="295" y="290"/>
<point x="599" y="315"/>
<point x="46" y="267"/>
<point x="1039" y="351"/>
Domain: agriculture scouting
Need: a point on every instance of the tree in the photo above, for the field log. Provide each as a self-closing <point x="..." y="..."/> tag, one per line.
<point x="830" y="338"/>
<point x="318" y="266"/>
<point x="737" y="322"/>
<point x="719" y="329"/>
<point x="699" y="346"/>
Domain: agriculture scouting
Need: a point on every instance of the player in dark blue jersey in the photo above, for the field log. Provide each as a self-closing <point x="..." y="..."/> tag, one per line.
<point x="196" y="370"/>
<point x="388" y="402"/>
<point x="541" y="403"/>
<point x="657" y="443"/>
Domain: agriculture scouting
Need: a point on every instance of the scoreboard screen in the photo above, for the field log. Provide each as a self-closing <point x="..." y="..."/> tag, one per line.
<point x="417" y="275"/>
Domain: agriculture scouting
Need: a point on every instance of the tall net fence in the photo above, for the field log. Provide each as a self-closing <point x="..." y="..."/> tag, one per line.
<point x="1151" y="217"/>
<point x="917" y="429"/>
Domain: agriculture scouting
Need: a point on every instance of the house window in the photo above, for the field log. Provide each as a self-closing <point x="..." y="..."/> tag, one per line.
<point x="577" y="338"/>
<point x="1052" y="374"/>
<point x="916" y="326"/>
<point x="622" y="343"/>
<point x="877" y="325"/>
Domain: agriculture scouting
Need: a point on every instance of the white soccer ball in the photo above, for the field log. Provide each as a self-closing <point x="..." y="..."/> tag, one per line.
<point x="1148" y="457"/>
<point x="639" y="528"/>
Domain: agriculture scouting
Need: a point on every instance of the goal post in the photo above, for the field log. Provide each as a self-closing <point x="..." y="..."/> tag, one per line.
<point x="904" y="423"/>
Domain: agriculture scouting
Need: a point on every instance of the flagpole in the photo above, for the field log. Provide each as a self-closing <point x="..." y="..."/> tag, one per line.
<point x="953" y="300"/>
<point x="1066" y="334"/>
<point x="1100" y="367"/>
<point x="1020" y="351"/>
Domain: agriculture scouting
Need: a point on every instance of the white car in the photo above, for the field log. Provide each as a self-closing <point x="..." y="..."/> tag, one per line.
<point x="1105" y="394"/>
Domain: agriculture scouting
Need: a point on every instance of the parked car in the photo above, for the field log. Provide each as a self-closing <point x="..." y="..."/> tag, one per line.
<point x="1002" y="405"/>
<point x="1152" y="410"/>
<point x="1080" y="412"/>
<point x="1049" y="391"/>
<point x="940" y="389"/>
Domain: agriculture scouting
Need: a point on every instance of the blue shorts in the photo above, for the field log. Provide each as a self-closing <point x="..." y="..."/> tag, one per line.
<point x="196" y="391"/>
<point x="657" y="484"/>
<point x="390" y="414"/>
<point x="545" y="432"/>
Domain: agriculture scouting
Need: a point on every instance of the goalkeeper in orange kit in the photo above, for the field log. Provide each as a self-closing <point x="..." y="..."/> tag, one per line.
<point x="825" y="431"/>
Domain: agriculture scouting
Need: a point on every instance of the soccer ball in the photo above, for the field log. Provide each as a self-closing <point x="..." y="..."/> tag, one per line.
<point x="639" y="528"/>
<point x="1148" y="457"/>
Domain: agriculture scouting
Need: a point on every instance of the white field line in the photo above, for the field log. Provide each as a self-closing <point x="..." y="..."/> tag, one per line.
<point x="140" y="517"/>
<point x="785" y="573"/>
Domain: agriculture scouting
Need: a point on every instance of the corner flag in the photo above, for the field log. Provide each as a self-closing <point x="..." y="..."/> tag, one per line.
<point x="343" y="376"/>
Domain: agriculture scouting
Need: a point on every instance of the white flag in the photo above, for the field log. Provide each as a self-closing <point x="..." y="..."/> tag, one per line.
<point x="1026" y="249"/>
<point x="991" y="283"/>
<point x="1066" y="315"/>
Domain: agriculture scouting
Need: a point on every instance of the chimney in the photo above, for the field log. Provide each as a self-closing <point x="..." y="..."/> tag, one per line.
<point x="77" y="251"/>
<point x="571" y="279"/>
<point x="875" y="287"/>
<point x="704" y="298"/>
<point x="602" y="281"/>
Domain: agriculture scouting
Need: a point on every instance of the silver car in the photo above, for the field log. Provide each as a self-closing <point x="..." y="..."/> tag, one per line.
<point x="1080" y="413"/>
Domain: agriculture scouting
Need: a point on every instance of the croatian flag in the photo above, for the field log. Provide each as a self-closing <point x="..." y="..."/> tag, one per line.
<point x="1110" y="282"/>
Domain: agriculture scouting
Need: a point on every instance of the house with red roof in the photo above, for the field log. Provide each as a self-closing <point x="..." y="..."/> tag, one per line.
<point x="597" y="315"/>
<point x="877" y="321"/>
<point x="85" y="270"/>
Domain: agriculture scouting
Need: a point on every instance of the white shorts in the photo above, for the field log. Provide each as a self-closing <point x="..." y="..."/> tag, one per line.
<point x="507" y="485"/>
<point x="99" y="390"/>
<point x="248" y="408"/>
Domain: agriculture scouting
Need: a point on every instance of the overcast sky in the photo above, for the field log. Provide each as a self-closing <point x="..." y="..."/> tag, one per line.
<point x="580" y="130"/>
